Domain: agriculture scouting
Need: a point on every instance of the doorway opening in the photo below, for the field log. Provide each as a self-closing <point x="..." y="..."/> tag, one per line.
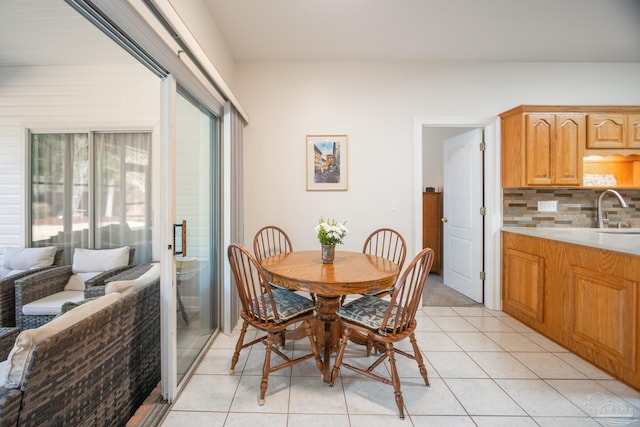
<point x="430" y="134"/>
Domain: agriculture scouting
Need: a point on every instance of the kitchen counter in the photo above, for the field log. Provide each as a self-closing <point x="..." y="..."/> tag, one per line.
<point x="623" y="240"/>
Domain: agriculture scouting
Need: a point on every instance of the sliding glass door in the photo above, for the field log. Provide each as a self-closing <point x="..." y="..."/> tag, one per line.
<point x="196" y="293"/>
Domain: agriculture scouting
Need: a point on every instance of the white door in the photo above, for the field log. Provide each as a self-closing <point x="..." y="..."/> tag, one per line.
<point x="463" y="223"/>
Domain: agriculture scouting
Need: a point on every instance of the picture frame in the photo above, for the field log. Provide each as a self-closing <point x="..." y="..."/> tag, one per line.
<point x="327" y="163"/>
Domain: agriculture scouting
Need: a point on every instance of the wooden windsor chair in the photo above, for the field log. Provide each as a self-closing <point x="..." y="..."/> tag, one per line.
<point x="270" y="310"/>
<point x="387" y="322"/>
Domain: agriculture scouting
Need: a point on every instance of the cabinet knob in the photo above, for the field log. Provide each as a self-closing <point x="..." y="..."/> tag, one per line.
<point x="444" y="219"/>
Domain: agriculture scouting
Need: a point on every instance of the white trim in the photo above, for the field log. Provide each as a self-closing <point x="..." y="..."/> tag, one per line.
<point x="227" y="327"/>
<point x="167" y="208"/>
<point x="177" y="24"/>
<point x="139" y="23"/>
<point x="493" y="194"/>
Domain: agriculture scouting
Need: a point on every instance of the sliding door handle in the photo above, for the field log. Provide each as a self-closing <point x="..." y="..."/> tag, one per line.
<point x="182" y="239"/>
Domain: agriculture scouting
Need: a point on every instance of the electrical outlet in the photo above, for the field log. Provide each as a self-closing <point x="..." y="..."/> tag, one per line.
<point x="548" y="206"/>
<point x="394" y="205"/>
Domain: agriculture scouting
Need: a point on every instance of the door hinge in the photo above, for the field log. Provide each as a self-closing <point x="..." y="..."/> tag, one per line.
<point x="482" y="275"/>
<point x="483" y="146"/>
<point x="483" y="210"/>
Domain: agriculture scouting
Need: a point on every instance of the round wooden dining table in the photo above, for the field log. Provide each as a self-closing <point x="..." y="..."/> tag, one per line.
<point x="350" y="273"/>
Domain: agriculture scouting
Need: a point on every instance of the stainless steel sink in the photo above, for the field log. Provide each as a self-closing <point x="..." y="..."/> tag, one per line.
<point x="618" y="230"/>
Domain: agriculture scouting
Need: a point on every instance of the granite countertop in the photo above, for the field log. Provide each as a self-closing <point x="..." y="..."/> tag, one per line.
<point x="618" y="240"/>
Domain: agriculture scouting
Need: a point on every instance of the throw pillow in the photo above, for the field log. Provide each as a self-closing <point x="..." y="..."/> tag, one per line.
<point x="92" y="260"/>
<point x="76" y="281"/>
<point x="17" y="258"/>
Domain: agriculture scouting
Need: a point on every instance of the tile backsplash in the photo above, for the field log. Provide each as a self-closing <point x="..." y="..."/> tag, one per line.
<point x="576" y="207"/>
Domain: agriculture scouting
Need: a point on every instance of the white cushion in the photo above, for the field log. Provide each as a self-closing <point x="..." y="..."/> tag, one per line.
<point x="16" y="258"/>
<point x="51" y="304"/>
<point x="92" y="260"/>
<point x="76" y="281"/>
<point x="123" y="285"/>
<point x="4" y="366"/>
<point x="20" y="356"/>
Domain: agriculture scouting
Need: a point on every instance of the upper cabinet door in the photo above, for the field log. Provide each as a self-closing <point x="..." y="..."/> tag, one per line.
<point x="606" y="130"/>
<point x="569" y="148"/>
<point x="633" y="134"/>
<point x="539" y="136"/>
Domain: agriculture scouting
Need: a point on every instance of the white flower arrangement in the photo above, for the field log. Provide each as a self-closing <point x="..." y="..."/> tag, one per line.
<point x="331" y="232"/>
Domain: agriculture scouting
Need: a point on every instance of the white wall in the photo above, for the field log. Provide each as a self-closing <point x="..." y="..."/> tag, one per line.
<point x="375" y="103"/>
<point x="64" y="99"/>
<point x="201" y="24"/>
<point x="433" y="151"/>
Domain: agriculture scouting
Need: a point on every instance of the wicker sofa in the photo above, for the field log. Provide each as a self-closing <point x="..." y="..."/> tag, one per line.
<point x="54" y="281"/>
<point x="8" y="288"/>
<point x="93" y="365"/>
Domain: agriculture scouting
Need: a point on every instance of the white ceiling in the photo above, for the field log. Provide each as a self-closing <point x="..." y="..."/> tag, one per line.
<point x="432" y="30"/>
<point x="37" y="32"/>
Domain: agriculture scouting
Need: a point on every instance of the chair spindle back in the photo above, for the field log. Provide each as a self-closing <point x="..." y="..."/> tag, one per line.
<point x="386" y="243"/>
<point x="252" y="284"/>
<point x="407" y="294"/>
<point x="269" y="241"/>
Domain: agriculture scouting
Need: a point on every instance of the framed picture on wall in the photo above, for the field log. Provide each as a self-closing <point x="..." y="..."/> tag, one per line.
<point x="327" y="157"/>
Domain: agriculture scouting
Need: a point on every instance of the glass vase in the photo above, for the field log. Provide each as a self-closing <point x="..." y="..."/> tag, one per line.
<point x="328" y="254"/>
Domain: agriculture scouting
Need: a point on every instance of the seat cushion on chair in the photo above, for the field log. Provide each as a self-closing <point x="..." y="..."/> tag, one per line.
<point x="382" y="291"/>
<point x="51" y="304"/>
<point x="367" y="311"/>
<point x="288" y="303"/>
<point x="92" y="260"/>
<point x="17" y="259"/>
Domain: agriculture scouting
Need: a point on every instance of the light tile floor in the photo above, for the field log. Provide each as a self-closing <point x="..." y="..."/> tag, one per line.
<point x="485" y="369"/>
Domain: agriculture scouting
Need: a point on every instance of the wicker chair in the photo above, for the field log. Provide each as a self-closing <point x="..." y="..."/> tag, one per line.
<point x="94" y="367"/>
<point x="96" y="290"/>
<point x="8" y="290"/>
<point x="47" y="283"/>
<point x="387" y="322"/>
<point x="270" y="310"/>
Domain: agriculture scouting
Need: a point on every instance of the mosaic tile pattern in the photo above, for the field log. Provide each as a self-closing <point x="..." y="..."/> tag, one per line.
<point x="576" y="207"/>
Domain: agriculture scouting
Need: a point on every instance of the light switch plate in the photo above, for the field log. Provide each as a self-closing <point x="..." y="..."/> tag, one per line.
<point x="548" y="206"/>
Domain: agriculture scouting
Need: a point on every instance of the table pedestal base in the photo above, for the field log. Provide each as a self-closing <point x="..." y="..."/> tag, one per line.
<point x="327" y="330"/>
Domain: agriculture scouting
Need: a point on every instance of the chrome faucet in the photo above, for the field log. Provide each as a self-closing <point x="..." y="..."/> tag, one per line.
<point x="623" y="204"/>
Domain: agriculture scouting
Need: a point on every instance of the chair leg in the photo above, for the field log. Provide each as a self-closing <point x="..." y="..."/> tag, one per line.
<point x="266" y="367"/>
<point x="395" y="379"/>
<point x="236" y="354"/>
<point x="343" y="344"/>
<point x="314" y="345"/>
<point x="418" y="355"/>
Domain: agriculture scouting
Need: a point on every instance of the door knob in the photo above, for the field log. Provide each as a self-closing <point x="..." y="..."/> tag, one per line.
<point x="444" y="219"/>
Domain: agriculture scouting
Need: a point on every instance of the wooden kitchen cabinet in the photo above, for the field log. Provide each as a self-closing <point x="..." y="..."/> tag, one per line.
<point x="583" y="298"/>
<point x="555" y="146"/>
<point x="432" y="227"/>
<point x="613" y="130"/>
<point x="542" y="148"/>
<point x="633" y="125"/>
<point x="524" y="272"/>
